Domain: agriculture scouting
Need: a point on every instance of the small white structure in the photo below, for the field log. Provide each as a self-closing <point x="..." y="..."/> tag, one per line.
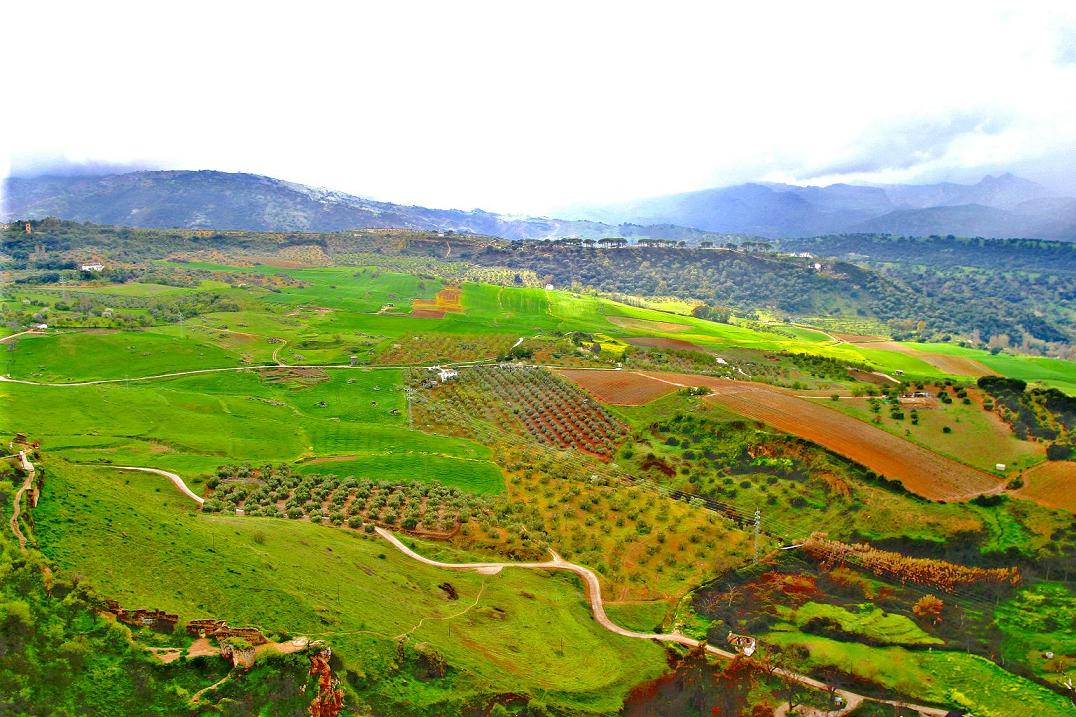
<point x="817" y="266"/>
<point x="93" y="267"/>
<point x="999" y="466"/>
<point x="41" y="326"/>
<point x="445" y="374"/>
<point x="549" y="287"/>
<point x="744" y="644"/>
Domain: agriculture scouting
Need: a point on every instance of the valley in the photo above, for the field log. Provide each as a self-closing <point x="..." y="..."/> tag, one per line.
<point x="337" y="434"/>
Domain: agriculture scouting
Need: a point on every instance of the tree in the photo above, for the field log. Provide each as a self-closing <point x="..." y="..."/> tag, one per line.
<point x="929" y="607"/>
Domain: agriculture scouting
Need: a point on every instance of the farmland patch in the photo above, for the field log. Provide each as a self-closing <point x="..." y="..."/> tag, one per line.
<point x="627" y="322"/>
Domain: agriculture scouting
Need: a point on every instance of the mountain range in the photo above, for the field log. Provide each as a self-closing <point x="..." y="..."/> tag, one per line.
<point x="1003" y="206"/>
<point x="224" y="200"/>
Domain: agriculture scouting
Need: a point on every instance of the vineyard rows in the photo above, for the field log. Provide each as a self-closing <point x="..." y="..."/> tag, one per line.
<point x="357" y="502"/>
<point x="534" y="401"/>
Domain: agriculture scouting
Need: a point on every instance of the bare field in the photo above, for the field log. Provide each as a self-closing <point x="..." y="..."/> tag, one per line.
<point x="619" y="388"/>
<point x="658" y="342"/>
<point x="1052" y="484"/>
<point x="447" y="299"/>
<point x="956" y="365"/>
<point x="922" y="471"/>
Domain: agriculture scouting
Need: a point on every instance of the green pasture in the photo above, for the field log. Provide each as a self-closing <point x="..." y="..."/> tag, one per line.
<point x="139" y="541"/>
<point x="194" y="423"/>
<point x="639" y="616"/>
<point x="867" y="621"/>
<point x="1052" y="372"/>
<point x="955" y="679"/>
<point x="107" y="354"/>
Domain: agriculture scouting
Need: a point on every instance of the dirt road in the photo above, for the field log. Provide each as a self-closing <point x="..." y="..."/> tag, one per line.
<point x="597" y="608"/>
<point x="167" y="474"/>
<point x="17" y="504"/>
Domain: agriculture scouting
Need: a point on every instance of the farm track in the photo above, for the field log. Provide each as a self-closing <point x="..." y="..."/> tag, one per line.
<point x="920" y="470"/>
<point x="176" y="480"/>
<point x="17" y="503"/>
<point x="597" y="608"/>
<point x="265" y="367"/>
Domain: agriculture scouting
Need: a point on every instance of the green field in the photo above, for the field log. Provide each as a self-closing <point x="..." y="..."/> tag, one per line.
<point x="194" y="423"/>
<point x="973" y="683"/>
<point x="139" y="541"/>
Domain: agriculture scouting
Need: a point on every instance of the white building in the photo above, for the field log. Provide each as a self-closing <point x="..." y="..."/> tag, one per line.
<point x="93" y="267"/>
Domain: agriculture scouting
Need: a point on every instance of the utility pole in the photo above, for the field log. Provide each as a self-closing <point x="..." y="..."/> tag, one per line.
<point x="758" y="530"/>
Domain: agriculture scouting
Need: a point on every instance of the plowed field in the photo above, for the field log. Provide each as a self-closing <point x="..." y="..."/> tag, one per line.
<point x="620" y="388"/>
<point x="1052" y="484"/>
<point x="447" y="299"/>
<point x="658" y="342"/>
<point x="921" y="471"/>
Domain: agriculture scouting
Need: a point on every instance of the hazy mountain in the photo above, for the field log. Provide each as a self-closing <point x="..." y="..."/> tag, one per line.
<point x="1004" y="206"/>
<point x="222" y="200"/>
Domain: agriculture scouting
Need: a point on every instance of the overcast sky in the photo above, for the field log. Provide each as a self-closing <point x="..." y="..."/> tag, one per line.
<point x="530" y="106"/>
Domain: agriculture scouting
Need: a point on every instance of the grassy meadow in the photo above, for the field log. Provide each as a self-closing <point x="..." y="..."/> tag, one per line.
<point x="141" y="542"/>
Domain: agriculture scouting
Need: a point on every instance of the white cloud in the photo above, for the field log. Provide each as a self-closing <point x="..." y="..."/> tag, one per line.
<point x="524" y="106"/>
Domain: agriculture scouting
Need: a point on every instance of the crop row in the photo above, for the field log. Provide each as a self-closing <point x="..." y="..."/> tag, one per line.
<point x="427" y="507"/>
<point x="535" y="402"/>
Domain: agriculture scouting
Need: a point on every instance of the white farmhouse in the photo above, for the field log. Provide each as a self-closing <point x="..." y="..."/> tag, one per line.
<point x="93" y="267"/>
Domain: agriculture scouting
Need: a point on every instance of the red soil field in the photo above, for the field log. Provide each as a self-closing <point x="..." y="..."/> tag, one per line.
<point x="921" y="471"/>
<point x="447" y="299"/>
<point x="660" y="343"/>
<point x="428" y="314"/>
<point x="620" y="388"/>
<point x="1052" y="484"/>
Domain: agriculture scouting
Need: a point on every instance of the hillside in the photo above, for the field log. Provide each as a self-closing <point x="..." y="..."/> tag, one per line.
<point x="1034" y="303"/>
<point x="222" y="200"/>
<point x="1004" y="206"/>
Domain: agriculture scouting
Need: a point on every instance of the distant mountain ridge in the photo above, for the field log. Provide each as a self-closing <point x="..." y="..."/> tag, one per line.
<point x="1003" y="206"/>
<point x="222" y="200"/>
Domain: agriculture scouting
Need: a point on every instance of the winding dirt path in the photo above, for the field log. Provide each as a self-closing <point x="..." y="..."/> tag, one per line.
<point x="167" y="474"/>
<point x="597" y="608"/>
<point x="17" y="503"/>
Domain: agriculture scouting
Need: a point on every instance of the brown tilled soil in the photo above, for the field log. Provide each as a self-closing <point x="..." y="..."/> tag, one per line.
<point x="620" y="388"/>
<point x="626" y="322"/>
<point x="660" y="343"/>
<point x="1052" y="484"/>
<point x="447" y="299"/>
<point x="921" y="471"/>
<point x="428" y="313"/>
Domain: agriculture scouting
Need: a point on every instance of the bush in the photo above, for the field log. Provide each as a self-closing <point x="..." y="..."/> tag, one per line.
<point x="1059" y="451"/>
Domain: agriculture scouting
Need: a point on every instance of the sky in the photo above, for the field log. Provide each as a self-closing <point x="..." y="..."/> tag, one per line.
<point x="531" y="107"/>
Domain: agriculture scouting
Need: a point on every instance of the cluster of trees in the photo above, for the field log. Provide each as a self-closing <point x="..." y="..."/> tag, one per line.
<point x="358" y="502"/>
<point x="932" y="289"/>
<point x="939" y="574"/>
<point x="998" y="293"/>
<point x="1044" y="413"/>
